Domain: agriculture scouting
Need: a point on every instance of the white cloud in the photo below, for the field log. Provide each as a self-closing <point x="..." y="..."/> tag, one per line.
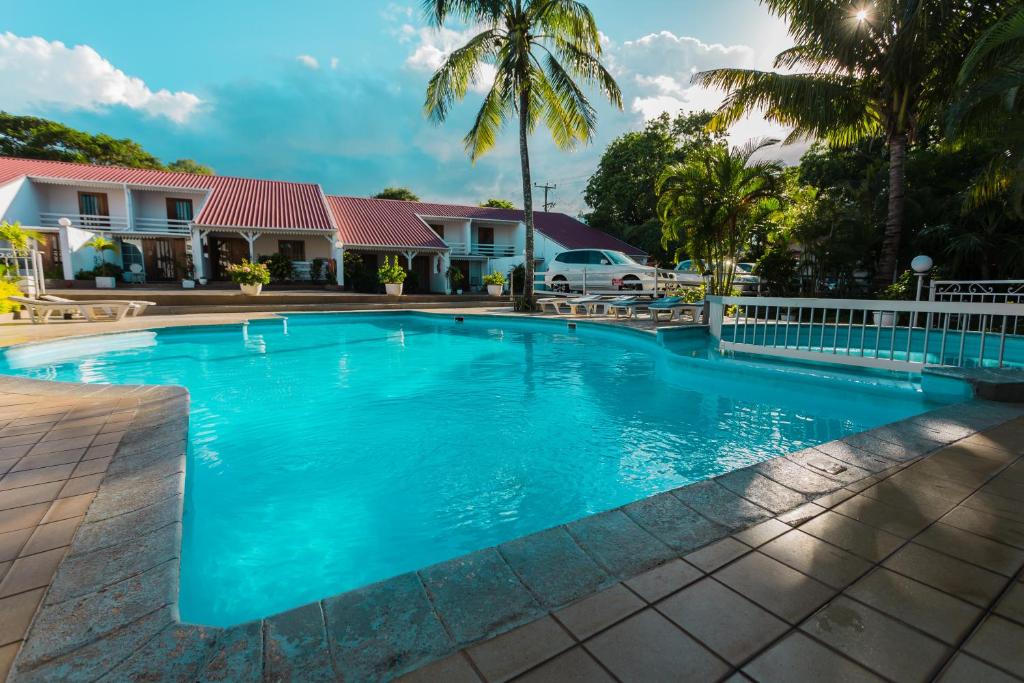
<point x="433" y="45"/>
<point x="308" y="61"/>
<point x="36" y="73"/>
<point x="396" y="12"/>
<point x="334" y="62"/>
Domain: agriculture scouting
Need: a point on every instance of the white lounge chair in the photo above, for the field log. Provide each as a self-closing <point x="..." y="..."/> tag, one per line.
<point x="136" y="306"/>
<point x="553" y="301"/>
<point x="582" y="304"/>
<point x="94" y="311"/>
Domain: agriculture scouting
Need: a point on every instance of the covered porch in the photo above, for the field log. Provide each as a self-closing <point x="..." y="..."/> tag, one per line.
<point x="427" y="268"/>
<point x="313" y="254"/>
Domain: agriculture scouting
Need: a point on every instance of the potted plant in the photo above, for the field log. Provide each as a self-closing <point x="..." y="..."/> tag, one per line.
<point x="495" y="283"/>
<point x="188" y="271"/>
<point x="391" y="275"/>
<point x="104" y="272"/>
<point x="897" y="291"/>
<point x="455" y="278"/>
<point x="250" y="277"/>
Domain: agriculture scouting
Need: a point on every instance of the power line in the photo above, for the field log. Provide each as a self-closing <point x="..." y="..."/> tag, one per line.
<point x="547" y="205"/>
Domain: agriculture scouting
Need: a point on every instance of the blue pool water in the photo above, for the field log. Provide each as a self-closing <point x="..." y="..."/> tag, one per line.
<point x="338" y="450"/>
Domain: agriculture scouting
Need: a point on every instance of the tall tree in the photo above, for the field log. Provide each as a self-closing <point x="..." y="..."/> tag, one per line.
<point x="32" y="137"/>
<point x="990" y="107"/>
<point x="862" y="70"/>
<point x="708" y="204"/>
<point x="497" y="204"/>
<point x="402" y="193"/>
<point x="189" y="166"/>
<point x="538" y="50"/>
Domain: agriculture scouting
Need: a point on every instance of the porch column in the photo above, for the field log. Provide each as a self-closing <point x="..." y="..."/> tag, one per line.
<point x="446" y="262"/>
<point x="409" y="256"/>
<point x="339" y="260"/>
<point x="250" y="237"/>
<point x="66" y="254"/>
<point x="197" y="253"/>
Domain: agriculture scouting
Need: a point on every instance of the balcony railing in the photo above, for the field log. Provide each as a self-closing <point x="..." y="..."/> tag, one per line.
<point x="85" y="221"/>
<point x="490" y="250"/>
<point x="119" y="223"/>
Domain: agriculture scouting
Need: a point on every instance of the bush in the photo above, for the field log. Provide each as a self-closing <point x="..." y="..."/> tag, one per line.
<point x="412" y="282"/>
<point x="7" y="289"/>
<point x="101" y="270"/>
<point x="246" y="273"/>
<point x="316" y="270"/>
<point x="777" y="269"/>
<point x="901" y="290"/>
<point x="280" y="267"/>
<point x="495" y="278"/>
<point x="391" y="273"/>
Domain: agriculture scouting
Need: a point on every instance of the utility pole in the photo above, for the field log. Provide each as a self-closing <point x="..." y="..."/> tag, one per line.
<point x="546" y="188"/>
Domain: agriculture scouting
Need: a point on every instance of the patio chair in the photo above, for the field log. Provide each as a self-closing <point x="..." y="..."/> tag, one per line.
<point x="605" y="305"/>
<point x="94" y="311"/>
<point x="674" y="308"/>
<point x="136" y="306"/>
<point x="553" y="301"/>
<point x="630" y="309"/>
<point x="582" y="303"/>
<point x="136" y="274"/>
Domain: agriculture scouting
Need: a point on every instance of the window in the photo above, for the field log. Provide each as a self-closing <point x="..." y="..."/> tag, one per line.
<point x="293" y="250"/>
<point x="439" y="229"/>
<point x="179" y="209"/>
<point x="595" y="258"/>
<point x="574" y="257"/>
<point x="485" y="235"/>
<point x="91" y="205"/>
<point x="618" y="258"/>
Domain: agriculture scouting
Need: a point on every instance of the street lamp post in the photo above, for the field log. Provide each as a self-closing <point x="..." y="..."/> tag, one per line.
<point x="921" y="265"/>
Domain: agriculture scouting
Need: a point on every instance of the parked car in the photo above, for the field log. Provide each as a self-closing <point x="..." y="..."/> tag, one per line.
<point x="743" y="278"/>
<point x="610" y="270"/>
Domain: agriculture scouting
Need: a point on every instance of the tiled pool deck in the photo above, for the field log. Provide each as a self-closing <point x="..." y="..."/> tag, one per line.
<point x="891" y="554"/>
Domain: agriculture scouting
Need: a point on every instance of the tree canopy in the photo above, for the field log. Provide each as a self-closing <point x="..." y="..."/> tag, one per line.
<point x="402" y="193"/>
<point x="32" y="137"/>
<point x="493" y="203"/>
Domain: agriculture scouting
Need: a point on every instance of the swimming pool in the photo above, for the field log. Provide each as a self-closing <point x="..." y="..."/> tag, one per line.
<point x="330" y="451"/>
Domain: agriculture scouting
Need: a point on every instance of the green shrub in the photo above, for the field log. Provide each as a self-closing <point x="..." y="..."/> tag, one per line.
<point x="495" y="278"/>
<point x="7" y="289"/>
<point x="901" y="290"/>
<point x="391" y="273"/>
<point x="280" y="267"/>
<point x="246" y="273"/>
<point x="316" y="270"/>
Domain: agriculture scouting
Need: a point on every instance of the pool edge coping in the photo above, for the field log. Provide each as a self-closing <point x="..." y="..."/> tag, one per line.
<point x="63" y="637"/>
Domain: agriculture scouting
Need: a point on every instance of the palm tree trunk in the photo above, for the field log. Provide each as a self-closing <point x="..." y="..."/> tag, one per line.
<point x="887" y="259"/>
<point x="524" y="157"/>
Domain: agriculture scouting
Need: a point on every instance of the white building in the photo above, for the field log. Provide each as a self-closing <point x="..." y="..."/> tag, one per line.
<point x="175" y="225"/>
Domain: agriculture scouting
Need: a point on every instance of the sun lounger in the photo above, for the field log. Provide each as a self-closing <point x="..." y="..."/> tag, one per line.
<point x="605" y="305"/>
<point x="582" y="304"/>
<point x="632" y="308"/>
<point x="40" y="311"/>
<point x="136" y="306"/>
<point x="674" y="309"/>
<point x="553" y="301"/>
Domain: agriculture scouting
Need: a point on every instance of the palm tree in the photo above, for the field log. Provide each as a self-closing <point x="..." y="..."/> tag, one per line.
<point x="538" y="49"/>
<point x="20" y="238"/>
<point x="709" y="203"/>
<point x="100" y="245"/>
<point x="990" y="106"/>
<point x="866" y="69"/>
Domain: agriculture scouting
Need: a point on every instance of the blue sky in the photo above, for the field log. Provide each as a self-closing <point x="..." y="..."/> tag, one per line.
<point x="331" y="92"/>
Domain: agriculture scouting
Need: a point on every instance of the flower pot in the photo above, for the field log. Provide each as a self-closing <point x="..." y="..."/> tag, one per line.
<point x="203" y="281"/>
<point x="188" y="284"/>
<point x="494" y="290"/>
<point x="459" y="292"/>
<point x="393" y="288"/>
<point x="883" y="318"/>
<point x="252" y="290"/>
<point x="105" y="282"/>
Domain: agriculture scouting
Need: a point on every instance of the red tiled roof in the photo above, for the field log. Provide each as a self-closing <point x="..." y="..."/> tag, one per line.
<point x="234" y="202"/>
<point x="392" y="222"/>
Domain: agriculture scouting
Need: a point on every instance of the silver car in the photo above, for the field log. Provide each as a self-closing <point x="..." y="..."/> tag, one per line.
<point x="605" y="269"/>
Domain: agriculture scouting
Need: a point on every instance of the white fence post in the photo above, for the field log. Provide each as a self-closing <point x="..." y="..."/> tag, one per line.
<point x="716" y="312"/>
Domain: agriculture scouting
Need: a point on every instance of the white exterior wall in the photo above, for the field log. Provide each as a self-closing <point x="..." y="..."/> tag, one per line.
<point x="63" y="199"/>
<point x="19" y="202"/>
<point x="154" y="204"/>
<point x="316" y="245"/>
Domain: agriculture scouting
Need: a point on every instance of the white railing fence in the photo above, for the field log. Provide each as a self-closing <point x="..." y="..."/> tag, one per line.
<point x="163" y="225"/>
<point x="25" y="269"/>
<point x="977" y="291"/>
<point x="118" y="223"/>
<point x="894" y="335"/>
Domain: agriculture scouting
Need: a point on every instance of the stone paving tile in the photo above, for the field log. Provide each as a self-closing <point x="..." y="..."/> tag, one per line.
<point x="1011" y="605"/>
<point x="967" y="669"/>
<point x="32" y="571"/>
<point x="876" y="641"/>
<point x="964" y="545"/>
<point x="762" y="533"/>
<point x="43" y="475"/>
<point x="131" y="525"/>
<point x="385" y="627"/>
<point x="574" y="666"/>
<point x="827" y="466"/>
<point x="618" y="544"/>
<point x="48" y="460"/>
<point x="774" y="586"/>
<point x="936" y="613"/>
<point x="834" y="498"/>
<point x="11" y="543"/>
<point x="984" y="524"/>
<point x="296" y="646"/>
<point x="711" y="557"/>
<point x="646" y="647"/>
<point x="896" y="520"/>
<point x="998" y="642"/>
<point x="996" y="505"/>
<point x="175" y="654"/>
<point x="656" y="583"/>
<point x="7" y="653"/>
<point x="761" y="490"/>
<point x="521" y="649"/>
<point x="802" y="514"/>
<point x="237" y="656"/>
<point x="553" y="566"/>
<point x="478" y="594"/>
<point x="795" y="477"/>
<point x="845" y="452"/>
<point x="719" y="504"/>
<point x="799" y="658"/>
<point x="670" y="521"/>
<point x="452" y="669"/>
<point x="65" y="508"/>
<point x="586" y="617"/>
<point x="827" y="563"/>
<point x="966" y="581"/>
<point x="18" y="610"/>
<point x="727" y="623"/>
<point x="29" y="495"/>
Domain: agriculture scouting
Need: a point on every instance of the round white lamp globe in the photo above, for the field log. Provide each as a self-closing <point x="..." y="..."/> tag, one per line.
<point x="921" y="264"/>
<point x="64" y="222"/>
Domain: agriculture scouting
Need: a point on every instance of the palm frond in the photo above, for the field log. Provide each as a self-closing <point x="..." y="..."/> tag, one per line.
<point x="452" y="80"/>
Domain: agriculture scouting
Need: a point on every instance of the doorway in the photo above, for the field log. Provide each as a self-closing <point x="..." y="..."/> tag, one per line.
<point x="223" y="252"/>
